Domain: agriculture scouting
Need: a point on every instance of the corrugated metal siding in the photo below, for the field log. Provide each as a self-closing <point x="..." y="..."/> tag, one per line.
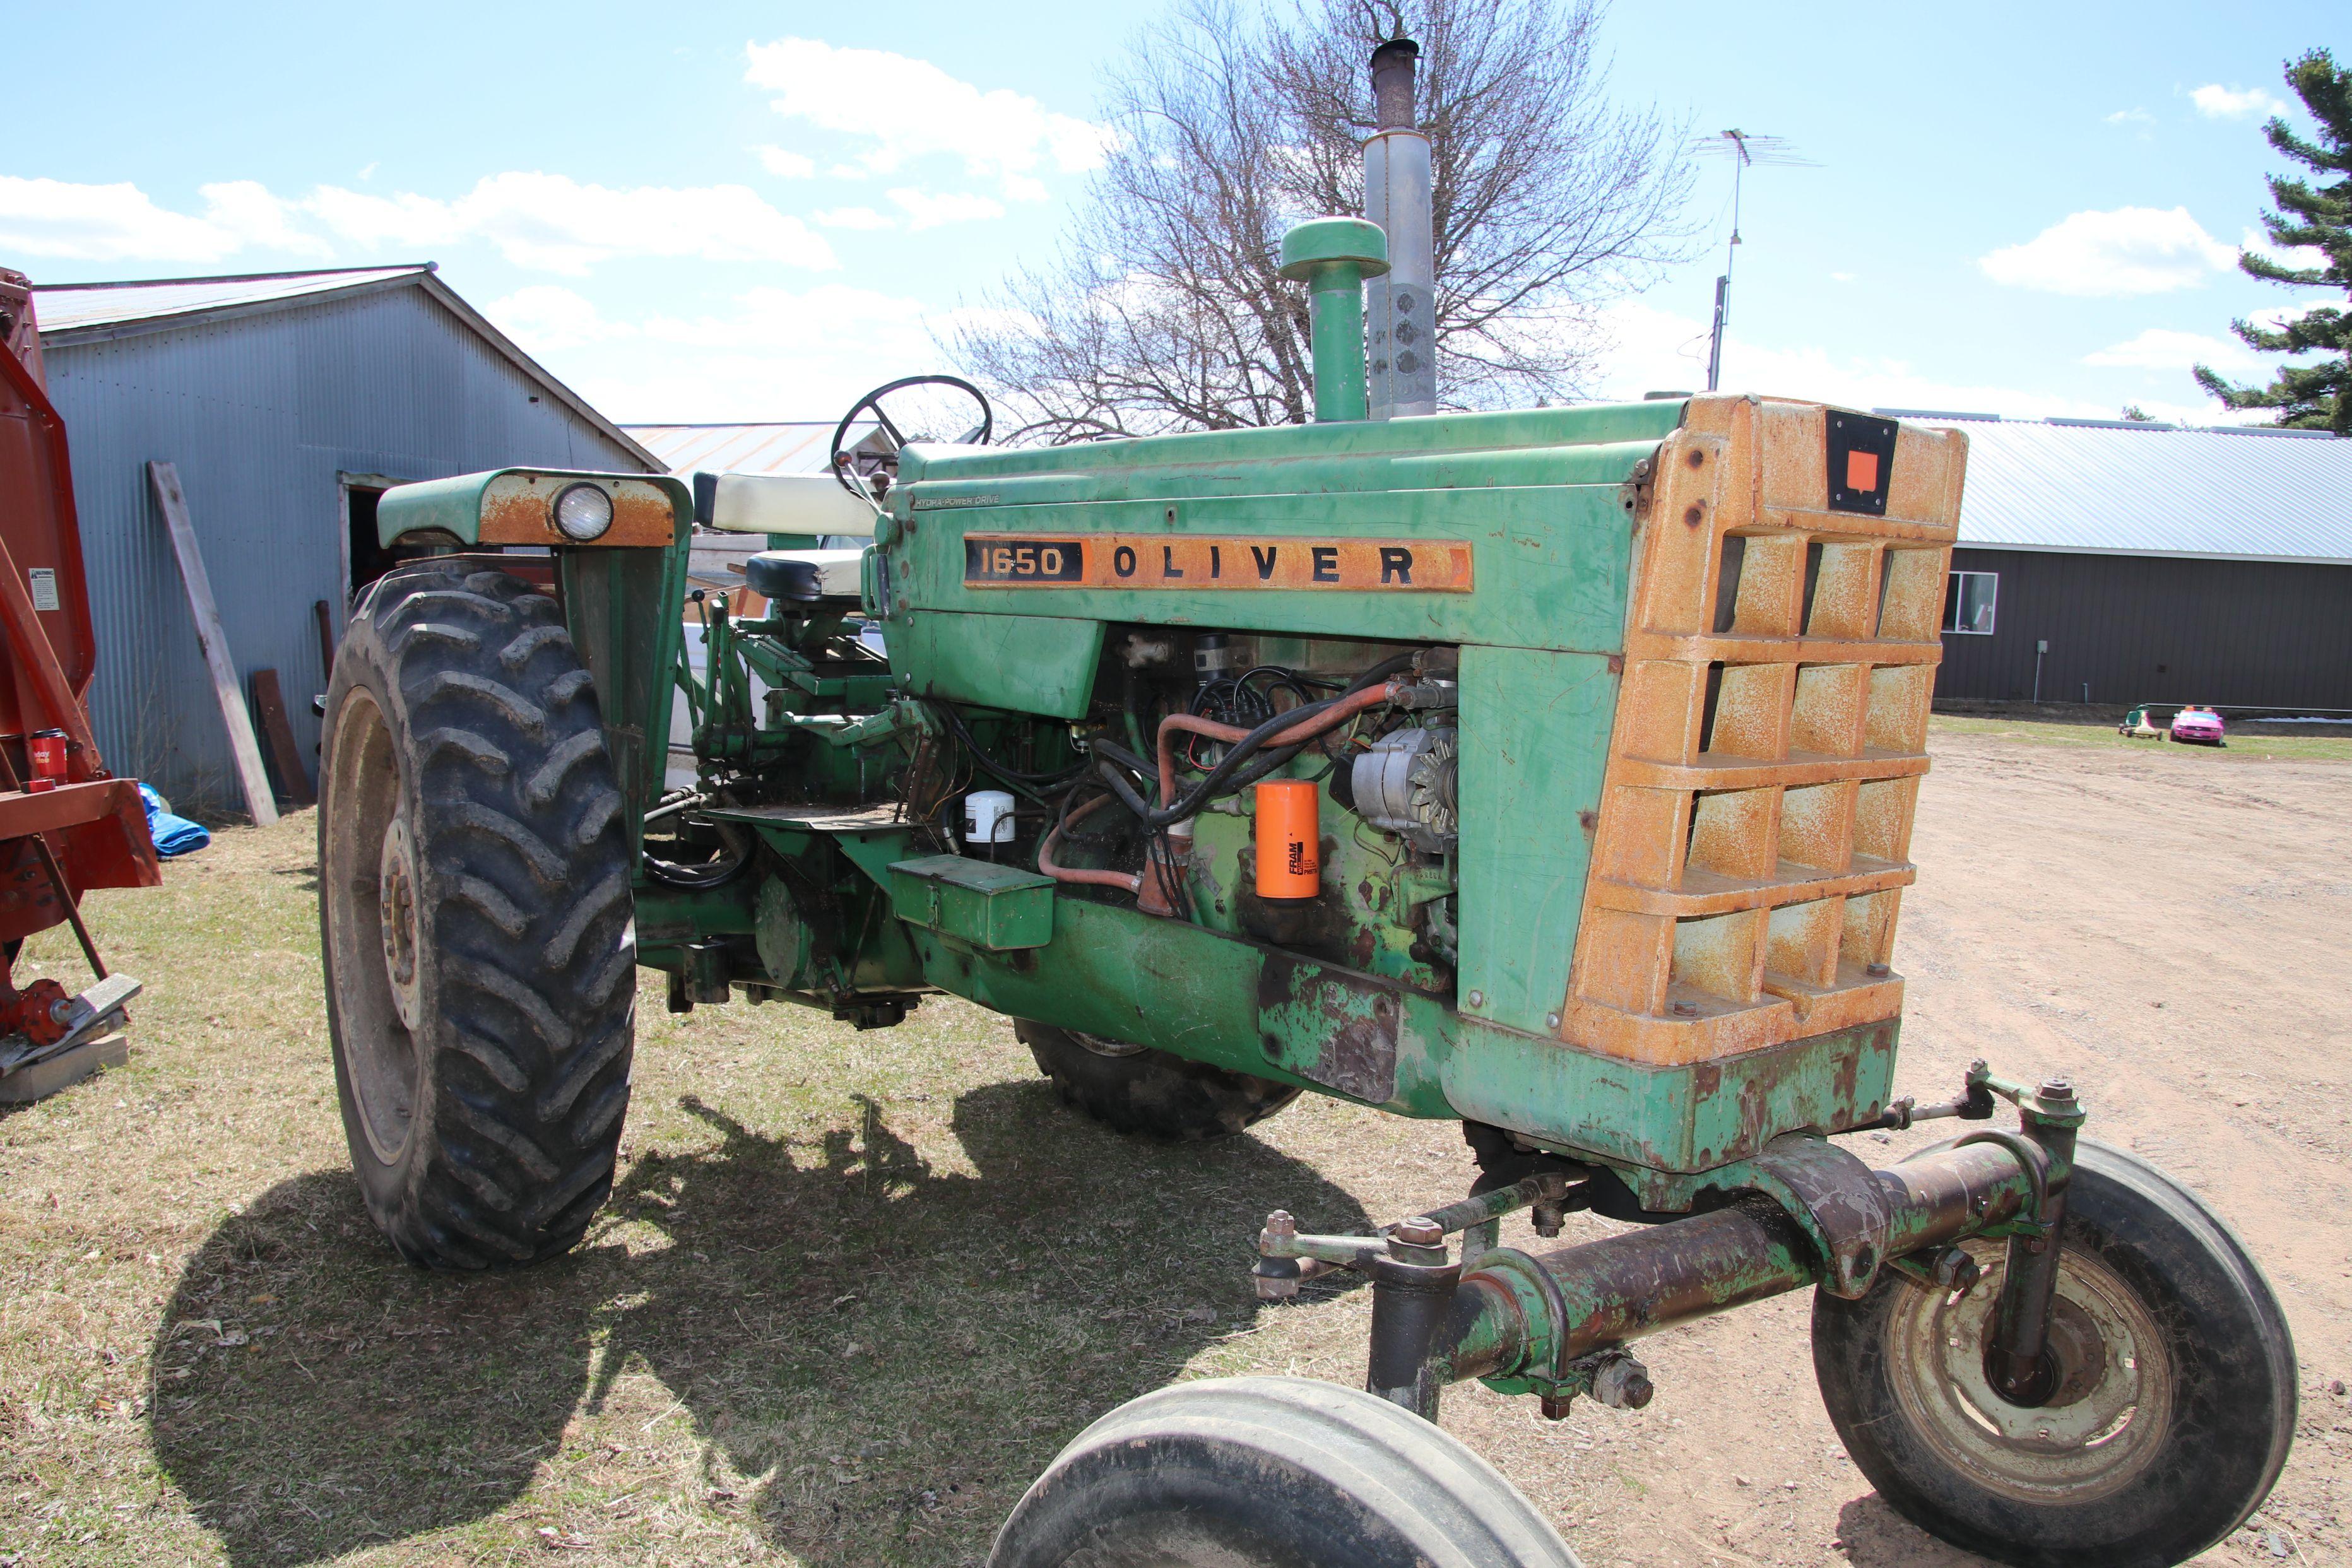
<point x="791" y="448"/>
<point x="260" y="413"/>
<point x="2157" y="490"/>
<point x="2149" y="628"/>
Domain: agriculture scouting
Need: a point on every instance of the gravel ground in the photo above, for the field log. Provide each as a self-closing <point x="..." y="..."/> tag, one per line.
<point x="855" y="1290"/>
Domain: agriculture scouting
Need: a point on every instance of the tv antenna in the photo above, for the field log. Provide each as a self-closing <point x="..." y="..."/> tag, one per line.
<point x="1746" y="151"/>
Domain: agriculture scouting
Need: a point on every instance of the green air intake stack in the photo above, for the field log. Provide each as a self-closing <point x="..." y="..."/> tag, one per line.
<point x="1333" y="256"/>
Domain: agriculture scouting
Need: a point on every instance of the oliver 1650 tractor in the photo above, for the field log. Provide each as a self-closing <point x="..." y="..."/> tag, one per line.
<point x="1549" y="772"/>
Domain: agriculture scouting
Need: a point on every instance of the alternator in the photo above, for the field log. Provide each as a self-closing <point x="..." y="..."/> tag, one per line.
<point x="1405" y="785"/>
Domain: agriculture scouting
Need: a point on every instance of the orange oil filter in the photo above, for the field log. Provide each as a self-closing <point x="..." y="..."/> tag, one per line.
<point x="1289" y="864"/>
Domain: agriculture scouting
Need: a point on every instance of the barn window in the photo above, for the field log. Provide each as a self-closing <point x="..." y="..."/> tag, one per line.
<point x="1968" y="600"/>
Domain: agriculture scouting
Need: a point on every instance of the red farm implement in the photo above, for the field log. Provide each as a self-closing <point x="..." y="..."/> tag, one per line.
<point x="66" y="825"/>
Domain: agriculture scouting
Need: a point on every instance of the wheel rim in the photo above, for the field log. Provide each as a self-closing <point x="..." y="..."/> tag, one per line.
<point x="368" y="871"/>
<point x="397" y="912"/>
<point x="1111" y="1047"/>
<point x="2107" y="1419"/>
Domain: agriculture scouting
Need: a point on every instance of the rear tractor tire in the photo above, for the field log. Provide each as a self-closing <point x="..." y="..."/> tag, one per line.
<point x="1137" y="1090"/>
<point x="2174" y="1396"/>
<point x="474" y="914"/>
<point x="1272" y="1472"/>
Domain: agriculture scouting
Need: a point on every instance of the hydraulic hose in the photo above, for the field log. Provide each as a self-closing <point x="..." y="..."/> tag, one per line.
<point x="1081" y="873"/>
<point x="1297" y="726"/>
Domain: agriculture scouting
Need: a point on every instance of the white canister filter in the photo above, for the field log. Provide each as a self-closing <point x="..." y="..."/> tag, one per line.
<point x="988" y="817"/>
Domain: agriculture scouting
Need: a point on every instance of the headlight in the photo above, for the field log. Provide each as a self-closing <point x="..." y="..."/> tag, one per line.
<point x="582" y="512"/>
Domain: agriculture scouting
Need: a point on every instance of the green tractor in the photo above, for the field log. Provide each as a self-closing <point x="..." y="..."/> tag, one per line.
<point x="1548" y="772"/>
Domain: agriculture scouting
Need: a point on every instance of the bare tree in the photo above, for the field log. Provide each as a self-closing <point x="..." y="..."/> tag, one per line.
<point x="1165" y="312"/>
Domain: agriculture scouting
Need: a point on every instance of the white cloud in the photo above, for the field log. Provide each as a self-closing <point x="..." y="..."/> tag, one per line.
<point x="786" y="164"/>
<point x="553" y="223"/>
<point x="903" y="109"/>
<point x="925" y="211"/>
<point x="773" y="353"/>
<point x="2164" y="349"/>
<point x="2131" y="117"/>
<point x="2215" y="101"/>
<point x="1661" y="350"/>
<point x="547" y="222"/>
<point x="2131" y="250"/>
<point x="547" y="317"/>
<point x="119" y="223"/>
<point x="855" y="218"/>
<point x="1842" y="277"/>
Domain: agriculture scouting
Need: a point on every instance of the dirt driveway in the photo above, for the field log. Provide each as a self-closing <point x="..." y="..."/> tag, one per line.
<point x="855" y="1289"/>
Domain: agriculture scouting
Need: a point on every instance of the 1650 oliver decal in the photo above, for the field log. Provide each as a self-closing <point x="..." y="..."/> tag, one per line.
<point x="1196" y="561"/>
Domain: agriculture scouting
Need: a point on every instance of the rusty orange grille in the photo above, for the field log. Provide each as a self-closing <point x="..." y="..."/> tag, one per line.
<point x="1771" y="733"/>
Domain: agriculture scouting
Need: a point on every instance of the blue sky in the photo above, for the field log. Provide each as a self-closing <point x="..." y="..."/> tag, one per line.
<point x="719" y="212"/>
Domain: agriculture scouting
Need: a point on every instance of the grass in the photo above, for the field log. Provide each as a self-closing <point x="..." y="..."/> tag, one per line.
<point x="2247" y="742"/>
<point x="852" y="1293"/>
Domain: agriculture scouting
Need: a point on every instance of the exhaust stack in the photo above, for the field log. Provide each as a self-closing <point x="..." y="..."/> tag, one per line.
<point x="1401" y="306"/>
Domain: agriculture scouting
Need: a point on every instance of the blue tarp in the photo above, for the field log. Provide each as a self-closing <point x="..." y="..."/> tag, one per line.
<point x="173" y="835"/>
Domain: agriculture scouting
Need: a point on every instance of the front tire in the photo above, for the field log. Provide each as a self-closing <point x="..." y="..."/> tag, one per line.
<point x="1272" y="1472"/>
<point x="1150" y="1094"/>
<point x="475" y="918"/>
<point x="2174" y="1413"/>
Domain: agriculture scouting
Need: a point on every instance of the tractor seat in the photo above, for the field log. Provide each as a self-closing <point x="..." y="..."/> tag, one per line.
<point x="820" y="577"/>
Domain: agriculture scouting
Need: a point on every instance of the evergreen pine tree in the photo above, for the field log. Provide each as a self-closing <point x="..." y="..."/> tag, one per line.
<point x="2316" y="396"/>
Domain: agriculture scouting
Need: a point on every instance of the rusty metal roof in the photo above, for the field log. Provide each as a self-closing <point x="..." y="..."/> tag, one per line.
<point x="2109" y="488"/>
<point x="786" y="446"/>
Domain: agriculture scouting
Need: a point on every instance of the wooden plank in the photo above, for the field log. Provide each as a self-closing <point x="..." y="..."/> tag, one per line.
<point x="164" y="479"/>
<point x="326" y="639"/>
<point x="277" y="735"/>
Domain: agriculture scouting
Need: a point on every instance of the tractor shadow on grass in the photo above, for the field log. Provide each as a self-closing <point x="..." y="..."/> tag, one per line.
<point x="857" y="1355"/>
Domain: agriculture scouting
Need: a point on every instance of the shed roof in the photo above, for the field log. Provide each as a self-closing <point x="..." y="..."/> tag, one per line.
<point x="784" y="447"/>
<point x="2112" y="488"/>
<point x="71" y="313"/>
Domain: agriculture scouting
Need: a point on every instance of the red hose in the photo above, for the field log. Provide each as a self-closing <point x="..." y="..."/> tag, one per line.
<point x="1330" y="718"/>
<point x="1081" y="873"/>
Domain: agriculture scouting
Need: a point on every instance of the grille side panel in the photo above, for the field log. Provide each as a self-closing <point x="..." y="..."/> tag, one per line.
<point x="1756" y="818"/>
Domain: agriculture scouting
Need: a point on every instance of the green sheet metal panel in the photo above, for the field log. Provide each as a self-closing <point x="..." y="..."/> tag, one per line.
<point x="1199" y="462"/>
<point x="1672" y="1120"/>
<point x="999" y="907"/>
<point x="1028" y="663"/>
<point x="1549" y="569"/>
<point x="621" y="607"/>
<point x="1534" y="494"/>
<point x="1535" y="745"/>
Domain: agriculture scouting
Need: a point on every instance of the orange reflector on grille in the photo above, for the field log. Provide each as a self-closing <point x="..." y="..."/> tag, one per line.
<point x="1862" y="470"/>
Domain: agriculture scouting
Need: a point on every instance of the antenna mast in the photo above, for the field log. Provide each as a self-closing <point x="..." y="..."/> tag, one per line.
<point x="1744" y="150"/>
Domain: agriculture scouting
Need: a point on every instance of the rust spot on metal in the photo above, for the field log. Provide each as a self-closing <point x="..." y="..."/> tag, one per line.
<point x="1694" y="515"/>
<point x="641" y="515"/>
<point x="1616" y="664"/>
<point x="515" y="511"/>
<point x="1354" y="1016"/>
<point x="515" y="516"/>
<point x="1590" y="821"/>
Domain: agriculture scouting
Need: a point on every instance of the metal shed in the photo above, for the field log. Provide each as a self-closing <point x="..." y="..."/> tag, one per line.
<point x="289" y="400"/>
<point x="2119" y="562"/>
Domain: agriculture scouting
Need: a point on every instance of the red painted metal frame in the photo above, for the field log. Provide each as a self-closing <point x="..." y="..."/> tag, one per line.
<point x="95" y="824"/>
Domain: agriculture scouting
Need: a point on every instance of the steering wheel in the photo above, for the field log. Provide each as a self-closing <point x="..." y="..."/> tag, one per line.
<point x="903" y="415"/>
